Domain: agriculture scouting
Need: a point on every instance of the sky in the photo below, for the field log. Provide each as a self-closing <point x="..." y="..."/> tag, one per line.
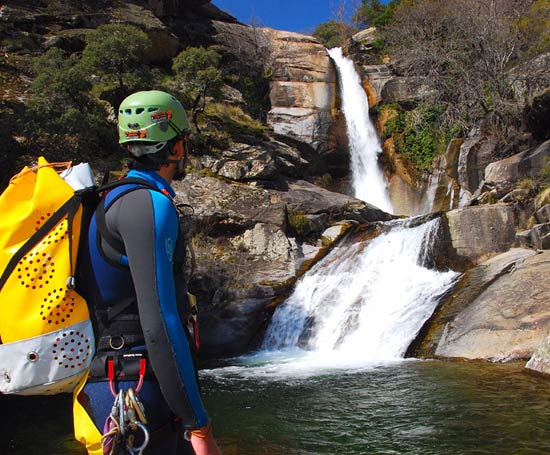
<point x="300" y="16"/>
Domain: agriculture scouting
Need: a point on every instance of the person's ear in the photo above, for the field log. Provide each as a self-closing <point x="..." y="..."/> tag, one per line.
<point x="178" y="149"/>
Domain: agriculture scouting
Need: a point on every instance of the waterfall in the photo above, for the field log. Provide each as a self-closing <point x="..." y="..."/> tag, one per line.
<point x="364" y="302"/>
<point x="368" y="179"/>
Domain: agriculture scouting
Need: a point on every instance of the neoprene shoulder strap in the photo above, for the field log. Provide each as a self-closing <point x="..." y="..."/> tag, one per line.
<point x="105" y="234"/>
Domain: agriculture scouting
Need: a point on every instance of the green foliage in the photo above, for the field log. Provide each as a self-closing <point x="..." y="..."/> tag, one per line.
<point x="375" y="13"/>
<point x="418" y="135"/>
<point x="63" y="118"/>
<point x="210" y="140"/>
<point x="59" y="80"/>
<point x="299" y="222"/>
<point x="535" y="26"/>
<point x="465" y="49"/>
<point x="233" y="119"/>
<point x="197" y="70"/>
<point x="333" y="33"/>
<point x="255" y="91"/>
<point x="114" y="55"/>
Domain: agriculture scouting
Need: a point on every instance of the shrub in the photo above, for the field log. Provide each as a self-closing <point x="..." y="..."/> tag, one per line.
<point x="418" y="134"/>
<point x="299" y="223"/>
<point x="198" y="72"/>
<point x="63" y="118"/>
<point x="114" y="55"/>
<point x="333" y="33"/>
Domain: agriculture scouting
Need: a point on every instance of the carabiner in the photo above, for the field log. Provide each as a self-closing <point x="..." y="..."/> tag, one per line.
<point x="139" y="450"/>
<point x="122" y="411"/>
<point x="136" y="404"/>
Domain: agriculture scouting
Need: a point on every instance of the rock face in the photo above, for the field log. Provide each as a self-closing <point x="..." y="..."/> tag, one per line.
<point x="265" y="161"/>
<point x="406" y="89"/>
<point x="303" y="89"/>
<point x="439" y="191"/>
<point x="475" y="155"/>
<point x="471" y="285"/>
<point x="480" y="232"/>
<point x="248" y="252"/>
<point x="532" y="76"/>
<point x="509" y="318"/>
<point x="502" y="175"/>
<point x="540" y="360"/>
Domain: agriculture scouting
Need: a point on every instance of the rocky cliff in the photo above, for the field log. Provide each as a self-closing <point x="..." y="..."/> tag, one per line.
<point x="260" y="216"/>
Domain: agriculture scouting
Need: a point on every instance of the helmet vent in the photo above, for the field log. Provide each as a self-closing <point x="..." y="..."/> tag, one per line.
<point x="128" y="111"/>
<point x="139" y="110"/>
<point x="152" y="109"/>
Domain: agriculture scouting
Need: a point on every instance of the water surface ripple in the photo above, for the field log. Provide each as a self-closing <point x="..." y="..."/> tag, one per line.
<point x="407" y="407"/>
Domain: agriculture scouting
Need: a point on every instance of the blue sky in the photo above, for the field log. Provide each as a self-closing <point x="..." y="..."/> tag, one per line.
<point x="292" y="15"/>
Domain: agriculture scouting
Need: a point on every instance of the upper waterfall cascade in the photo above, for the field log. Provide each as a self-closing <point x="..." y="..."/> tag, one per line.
<point x="368" y="181"/>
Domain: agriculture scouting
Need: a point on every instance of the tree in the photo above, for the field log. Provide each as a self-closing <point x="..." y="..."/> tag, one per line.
<point x="59" y="79"/>
<point x="197" y="70"/>
<point x="375" y="13"/>
<point x="114" y="54"/>
<point x="464" y="48"/>
<point x="63" y="117"/>
<point x="333" y="33"/>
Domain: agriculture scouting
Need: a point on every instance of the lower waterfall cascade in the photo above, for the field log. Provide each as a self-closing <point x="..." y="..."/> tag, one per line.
<point x="364" y="302"/>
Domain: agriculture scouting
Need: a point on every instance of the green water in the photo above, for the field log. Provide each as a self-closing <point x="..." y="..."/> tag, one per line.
<point x="416" y="408"/>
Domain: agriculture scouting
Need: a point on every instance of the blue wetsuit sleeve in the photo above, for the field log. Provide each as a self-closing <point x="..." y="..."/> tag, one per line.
<point x="148" y="224"/>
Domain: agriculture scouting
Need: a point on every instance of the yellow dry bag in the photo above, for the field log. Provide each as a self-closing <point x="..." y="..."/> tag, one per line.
<point x="46" y="337"/>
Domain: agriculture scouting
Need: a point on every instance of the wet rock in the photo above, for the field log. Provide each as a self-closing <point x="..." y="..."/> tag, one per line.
<point x="377" y="76"/>
<point x="471" y="285"/>
<point x="247" y="259"/>
<point x="540" y="360"/>
<point x="503" y="311"/>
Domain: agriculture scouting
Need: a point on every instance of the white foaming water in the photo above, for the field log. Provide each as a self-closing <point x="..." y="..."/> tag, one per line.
<point x="364" y="302"/>
<point x="368" y="179"/>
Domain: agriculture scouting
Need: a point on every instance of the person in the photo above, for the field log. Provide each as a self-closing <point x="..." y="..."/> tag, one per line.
<point x="137" y="303"/>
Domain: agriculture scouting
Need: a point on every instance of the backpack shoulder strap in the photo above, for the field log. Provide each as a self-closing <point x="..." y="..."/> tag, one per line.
<point x="101" y="210"/>
<point x="68" y="209"/>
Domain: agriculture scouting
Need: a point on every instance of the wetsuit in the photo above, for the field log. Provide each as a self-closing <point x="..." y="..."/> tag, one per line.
<point x="137" y="303"/>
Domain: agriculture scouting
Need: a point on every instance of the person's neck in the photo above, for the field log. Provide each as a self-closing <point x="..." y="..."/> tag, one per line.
<point x="167" y="173"/>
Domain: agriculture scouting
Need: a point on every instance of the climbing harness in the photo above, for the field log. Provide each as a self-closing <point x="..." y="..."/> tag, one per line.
<point x="127" y="418"/>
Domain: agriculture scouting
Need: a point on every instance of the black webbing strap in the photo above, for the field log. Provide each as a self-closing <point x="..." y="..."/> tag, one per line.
<point x="105" y="234"/>
<point x="68" y="209"/>
<point x="101" y="210"/>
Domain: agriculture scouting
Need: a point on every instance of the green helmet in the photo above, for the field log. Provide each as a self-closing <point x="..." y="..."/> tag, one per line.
<point x="151" y="117"/>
